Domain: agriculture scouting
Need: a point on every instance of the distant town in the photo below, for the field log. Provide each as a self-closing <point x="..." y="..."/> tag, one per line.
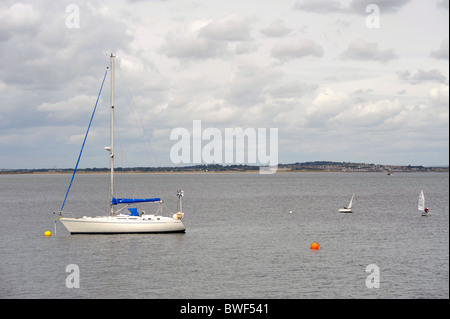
<point x="317" y="166"/>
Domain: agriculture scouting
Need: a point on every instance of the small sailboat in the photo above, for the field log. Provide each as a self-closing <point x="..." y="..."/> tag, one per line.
<point x="421" y="206"/>
<point x="348" y="209"/>
<point x="118" y="222"/>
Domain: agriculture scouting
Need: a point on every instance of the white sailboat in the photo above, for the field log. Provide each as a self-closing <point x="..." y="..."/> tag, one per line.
<point x="348" y="209"/>
<point x="421" y="205"/>
<point x="118" y="222"/>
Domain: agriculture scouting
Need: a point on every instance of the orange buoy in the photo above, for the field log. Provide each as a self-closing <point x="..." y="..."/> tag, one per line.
<point x="315" y="246"/>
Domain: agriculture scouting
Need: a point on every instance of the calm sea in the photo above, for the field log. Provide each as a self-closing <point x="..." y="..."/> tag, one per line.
<point x="241" y="240"/>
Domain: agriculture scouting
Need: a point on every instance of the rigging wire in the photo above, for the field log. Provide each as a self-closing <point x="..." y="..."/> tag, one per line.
<point x="137" y="115"/>
<point x="84" y="141"/>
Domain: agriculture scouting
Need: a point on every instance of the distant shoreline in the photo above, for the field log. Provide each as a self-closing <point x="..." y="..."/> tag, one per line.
<point x="306" y="167"/>
<point x="162" y="172"/>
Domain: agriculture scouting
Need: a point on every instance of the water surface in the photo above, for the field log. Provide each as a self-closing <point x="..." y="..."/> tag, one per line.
<point x="241" y="240"/>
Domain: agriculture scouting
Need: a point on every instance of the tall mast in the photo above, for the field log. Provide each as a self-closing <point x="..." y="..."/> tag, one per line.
<point x="112" y="57"/>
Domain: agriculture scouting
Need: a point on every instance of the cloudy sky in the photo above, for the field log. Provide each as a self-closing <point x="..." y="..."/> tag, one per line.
<point x="342" y="80"/>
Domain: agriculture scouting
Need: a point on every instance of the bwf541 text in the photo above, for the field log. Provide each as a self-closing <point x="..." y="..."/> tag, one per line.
<point x="227" y="309"/>
<point x="246" y="308"/>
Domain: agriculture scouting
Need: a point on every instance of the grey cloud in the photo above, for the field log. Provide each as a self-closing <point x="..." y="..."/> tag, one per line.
<point x="276" y="29"/>
<point x="248" y="84"/>
<point x="319" y="6"/>
<point x="288" y="49"/>
<point x="190" y="45"/>
<point x="53" y="54"/>
<point x="422" y="76"/>
<point x="386" y="6"/>
<point x="360" y="49"/>
<point x="442" y="52"/>
<point x="443" y="4"/>
<point x="19" y="18"/>
<point x="354" y="7"/>
<point x="292" y="90"/>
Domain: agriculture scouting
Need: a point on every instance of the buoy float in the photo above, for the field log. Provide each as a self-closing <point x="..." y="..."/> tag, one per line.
<point x="315" y="246"/>
<point x="290" y="212"/>
<point x="47" y="234"/>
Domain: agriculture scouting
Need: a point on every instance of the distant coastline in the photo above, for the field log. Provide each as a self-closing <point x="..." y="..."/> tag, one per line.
<point x="317" y="166"/>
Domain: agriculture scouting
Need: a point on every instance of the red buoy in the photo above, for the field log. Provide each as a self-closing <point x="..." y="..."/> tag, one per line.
<point x="315" y="246"/>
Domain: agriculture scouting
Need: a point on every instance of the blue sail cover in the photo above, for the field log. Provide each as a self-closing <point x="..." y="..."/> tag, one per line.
<point x="133" y="212"/>
<point x="116" y="201"/>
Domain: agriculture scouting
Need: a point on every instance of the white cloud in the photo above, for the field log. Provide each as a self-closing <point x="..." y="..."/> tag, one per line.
<point x="439" y="96"/>
<point x="71" y="110"/>
<point x="370" y="113"/>
<point x="325" y="106"/>
<point x="232" y="28"/>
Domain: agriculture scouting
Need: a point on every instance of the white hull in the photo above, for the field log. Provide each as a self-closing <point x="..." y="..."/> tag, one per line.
<point x="123" y="225"/>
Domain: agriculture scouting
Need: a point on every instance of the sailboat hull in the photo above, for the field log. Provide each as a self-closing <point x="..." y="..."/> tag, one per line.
<point x="118" y="225"/>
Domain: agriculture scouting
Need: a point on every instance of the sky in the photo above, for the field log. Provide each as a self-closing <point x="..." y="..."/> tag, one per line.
<point x="341" y="80"/>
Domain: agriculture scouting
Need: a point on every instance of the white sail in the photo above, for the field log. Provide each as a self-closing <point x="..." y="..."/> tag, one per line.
<point x="421" y="205"/>
<point x="351" y="202"/>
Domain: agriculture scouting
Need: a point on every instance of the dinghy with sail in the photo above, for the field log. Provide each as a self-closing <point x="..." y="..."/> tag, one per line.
<point x="348" y="209"/>
<point x="421" y="205"/>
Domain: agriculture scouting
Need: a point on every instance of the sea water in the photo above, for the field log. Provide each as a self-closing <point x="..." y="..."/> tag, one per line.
<point x="242" y="241"/>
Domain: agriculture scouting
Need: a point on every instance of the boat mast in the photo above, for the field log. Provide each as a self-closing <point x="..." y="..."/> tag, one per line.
<point x="111" y="151"/>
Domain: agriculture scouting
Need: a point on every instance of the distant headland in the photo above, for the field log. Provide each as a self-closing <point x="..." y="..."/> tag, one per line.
<point x="317" y="166"/>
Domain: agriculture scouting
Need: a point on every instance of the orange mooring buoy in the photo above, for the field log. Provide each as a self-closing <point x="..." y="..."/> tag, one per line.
<point x="315" y="246"/>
